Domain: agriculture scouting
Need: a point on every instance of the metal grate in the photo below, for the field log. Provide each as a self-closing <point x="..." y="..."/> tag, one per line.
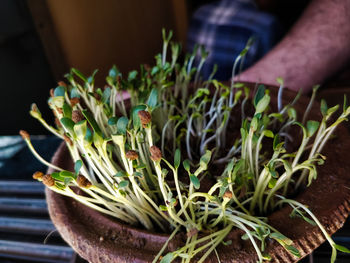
<point x="24" y="225"/>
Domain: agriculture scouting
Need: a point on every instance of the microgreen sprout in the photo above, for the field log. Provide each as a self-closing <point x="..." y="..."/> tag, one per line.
<point x="154" y="159"/>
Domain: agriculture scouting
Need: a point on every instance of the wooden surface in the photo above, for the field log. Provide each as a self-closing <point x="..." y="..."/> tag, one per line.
<point x="46" y="31"/>
<point x="97" y="34"/>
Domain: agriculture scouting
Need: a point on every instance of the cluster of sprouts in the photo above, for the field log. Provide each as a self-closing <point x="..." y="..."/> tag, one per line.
<point x="165" y="150"/>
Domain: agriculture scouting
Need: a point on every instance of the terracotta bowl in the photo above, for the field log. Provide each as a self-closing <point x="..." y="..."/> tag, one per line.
<point x="100" y="238"/>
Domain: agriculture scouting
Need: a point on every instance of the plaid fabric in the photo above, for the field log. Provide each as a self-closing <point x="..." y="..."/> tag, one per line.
<point x="223" y="28"/>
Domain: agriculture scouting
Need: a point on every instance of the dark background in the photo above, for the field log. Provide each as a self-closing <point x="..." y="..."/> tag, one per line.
<point x="25" y="75"/>
<point x="34" y="54"/>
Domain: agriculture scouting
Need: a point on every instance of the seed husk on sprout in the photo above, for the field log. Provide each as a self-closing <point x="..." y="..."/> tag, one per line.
<point x="67" y="139"/>
<point x="83" y="182"/>
<point x="74" y="101"/>
<point x="156" y="154"/>
<point x="62" y="83"/>
<point x="25" y="135"/>
<point x="145" y="117"/>
<point x="131" y="155"/>
<point x="38" y="175"/>
<point x="77" y="116"/>
<point x="228" y="194"/>
<point x="48" y="180"/>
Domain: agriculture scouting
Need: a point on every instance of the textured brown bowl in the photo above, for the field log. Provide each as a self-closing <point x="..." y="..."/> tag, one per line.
<point x="99" y="238"/>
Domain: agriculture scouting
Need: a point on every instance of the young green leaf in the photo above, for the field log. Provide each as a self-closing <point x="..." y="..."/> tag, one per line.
<point x="268" y="133"/>
<point x="330" y="111"/>
<point x="277" y="116"/>
<point x="59" y="91"/>
<point x="236" y="85"/>
<point x="67" y="174"/>
<point x="227" y="243"/>
<point x="293" y="250"/>
<point x="74" y="93"/>
<point x="79" y="74"/>
<point x="120" y="174"/>
<point x="60" y="186"/>
<point x="167" y="258"/>
<point x="205" y="159"/>
<point x="140" y="166"/>
<point x="230" y="166"/>
<point x="77" y="166"/>
<point x="153" y="98"/>
<point x="266" y="257"/>
<point x="186" y="165"/>
<point x="118" y="140"/>
<point x="123" y="184"/>
<point x="324" y="107"/>
<point x="122" y="125"/>
<point x="281" y="238"/>
<point x="57" y="176"/>
<point x="113" y="72"/>
<point x="259" y="94"/>
<point x="138" y="174"/>
<point x="280" y="81"/>
<point x="310" y="221"/>
<point x="68" y="124"/>
<point x="237" y="96"/>
<point x="292" y="113"/>
<point x="165" y="172"/>
<point x="34" y="112"/>
<point x="163" y="208"/>
<point x="272" y="182"/>
<point x="276" y="141"/>
<point x="262" y="104"/>
<point x="88" y="136"/>
<point x="177" y="158"/>
<point x="238" y="166"/>
<point x="311" y="127"/>
<point x="254" y="124"/>
<point x="112" y="121"/>
<point x="105" y="95"/>
<point x="195" y="181"/>
<point x="67" y="110"/>
<point x="132" y="75"/>
<point x="58" y="101"/>
<point x="135" y="118"/>
<point x="222" y="190"/>
<point x="91" y="79"/>
<point x="245" y="237"/>
<point x="300" y="214"/>
<point x="90" y="118"/>
<point x="123" y="193"/>
<point x="80" y="129"/>
<point x="110" y="81"/>
<point x="154" y="70"/>
<point x="97" y="139"/>
<point x="342" y="248"/>
<point x="67" y="180"/>
<point x="243" y="134"/>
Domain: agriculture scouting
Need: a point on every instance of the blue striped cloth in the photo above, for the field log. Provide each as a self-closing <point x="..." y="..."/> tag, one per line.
<point x="224" y="27"/>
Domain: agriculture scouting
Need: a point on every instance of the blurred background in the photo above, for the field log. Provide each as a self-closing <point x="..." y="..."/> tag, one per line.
<point x="40" y="40"/>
